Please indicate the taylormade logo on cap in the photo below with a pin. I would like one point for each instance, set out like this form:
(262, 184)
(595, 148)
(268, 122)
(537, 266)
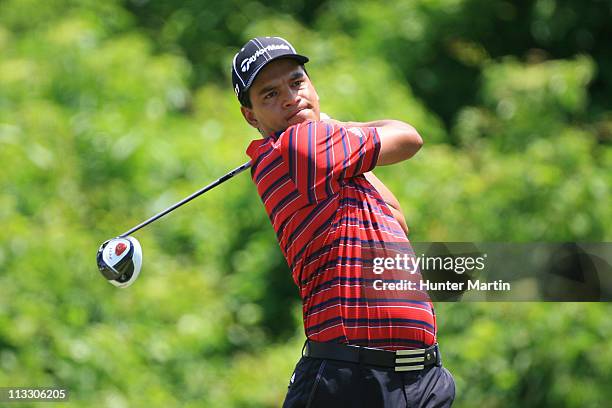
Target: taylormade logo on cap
(253, 57)
(245, 64)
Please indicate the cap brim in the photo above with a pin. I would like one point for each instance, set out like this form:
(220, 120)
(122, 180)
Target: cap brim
(299, 58)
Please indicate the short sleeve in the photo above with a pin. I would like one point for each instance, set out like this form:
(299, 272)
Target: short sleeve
(321, 156)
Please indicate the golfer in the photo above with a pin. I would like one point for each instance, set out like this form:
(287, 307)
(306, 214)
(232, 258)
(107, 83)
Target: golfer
(365, 347)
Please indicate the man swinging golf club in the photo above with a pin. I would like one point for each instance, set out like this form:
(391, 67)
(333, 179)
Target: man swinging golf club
(364, 348)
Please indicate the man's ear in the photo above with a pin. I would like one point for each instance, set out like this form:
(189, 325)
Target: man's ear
(249, 116)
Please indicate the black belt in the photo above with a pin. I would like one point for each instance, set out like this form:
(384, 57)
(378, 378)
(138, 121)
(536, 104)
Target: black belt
(400, 360)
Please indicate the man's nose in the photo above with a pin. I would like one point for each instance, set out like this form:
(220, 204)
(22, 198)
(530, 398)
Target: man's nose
(292, 97)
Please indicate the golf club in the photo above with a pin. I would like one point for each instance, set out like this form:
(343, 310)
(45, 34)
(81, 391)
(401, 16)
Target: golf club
(120, 259)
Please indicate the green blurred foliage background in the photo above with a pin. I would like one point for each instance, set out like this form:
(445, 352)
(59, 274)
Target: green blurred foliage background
(110, 111)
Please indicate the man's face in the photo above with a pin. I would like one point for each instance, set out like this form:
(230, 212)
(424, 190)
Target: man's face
(281, 95)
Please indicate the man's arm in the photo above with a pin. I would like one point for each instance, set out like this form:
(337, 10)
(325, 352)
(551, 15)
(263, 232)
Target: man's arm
(389, 198)
(398, 140)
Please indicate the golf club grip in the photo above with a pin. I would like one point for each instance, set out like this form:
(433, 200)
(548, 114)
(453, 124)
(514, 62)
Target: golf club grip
(187, 199)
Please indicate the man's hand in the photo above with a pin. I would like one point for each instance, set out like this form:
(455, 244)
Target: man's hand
(389, 198)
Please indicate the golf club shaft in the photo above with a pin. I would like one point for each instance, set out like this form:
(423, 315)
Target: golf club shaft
(187, 199)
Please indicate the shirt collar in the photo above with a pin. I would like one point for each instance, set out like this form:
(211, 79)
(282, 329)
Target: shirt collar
(276, 135)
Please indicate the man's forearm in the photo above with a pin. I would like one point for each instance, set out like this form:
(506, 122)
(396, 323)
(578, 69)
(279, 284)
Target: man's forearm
(388, 198)
(399, 216)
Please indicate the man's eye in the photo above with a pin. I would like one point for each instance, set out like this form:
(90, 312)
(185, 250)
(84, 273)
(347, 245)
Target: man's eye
(298, 82)
(270, 95)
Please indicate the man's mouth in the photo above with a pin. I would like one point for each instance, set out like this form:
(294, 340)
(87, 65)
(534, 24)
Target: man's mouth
(294, 114)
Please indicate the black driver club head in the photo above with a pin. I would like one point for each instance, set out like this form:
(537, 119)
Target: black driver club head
(119, 260)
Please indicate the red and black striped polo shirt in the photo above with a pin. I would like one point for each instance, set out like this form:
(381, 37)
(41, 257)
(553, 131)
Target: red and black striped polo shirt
(325, 213)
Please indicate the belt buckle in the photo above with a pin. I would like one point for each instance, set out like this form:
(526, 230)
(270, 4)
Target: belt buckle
(403, 363)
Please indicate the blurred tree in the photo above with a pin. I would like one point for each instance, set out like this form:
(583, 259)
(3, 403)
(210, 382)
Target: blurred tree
(206, 32)
(440, 47)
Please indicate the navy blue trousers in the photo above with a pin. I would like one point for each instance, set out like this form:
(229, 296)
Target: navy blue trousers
(318, 383)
